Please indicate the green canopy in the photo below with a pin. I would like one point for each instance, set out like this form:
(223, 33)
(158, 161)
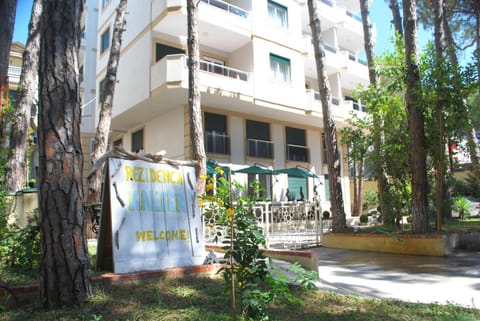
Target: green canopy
(297, 171)
(255, 169)
(211, 165)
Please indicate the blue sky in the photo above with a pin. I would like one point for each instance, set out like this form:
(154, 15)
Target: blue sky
(380, 15)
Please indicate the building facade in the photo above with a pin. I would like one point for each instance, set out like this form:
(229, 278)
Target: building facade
(258, 83)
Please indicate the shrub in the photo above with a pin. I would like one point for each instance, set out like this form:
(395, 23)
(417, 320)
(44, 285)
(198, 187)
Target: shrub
(246, 274)
(364, 218)
(326, 215)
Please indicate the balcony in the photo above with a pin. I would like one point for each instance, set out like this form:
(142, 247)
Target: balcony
(221, 25)
(214, 68)
(172, 69)
(298, 153)
(259, 148)
(227, 7)
(14, 73)
(218, 143)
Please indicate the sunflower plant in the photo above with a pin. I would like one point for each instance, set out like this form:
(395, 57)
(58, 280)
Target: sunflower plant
(248, 273)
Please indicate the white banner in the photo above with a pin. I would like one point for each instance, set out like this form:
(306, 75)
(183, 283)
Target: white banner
(156, 221)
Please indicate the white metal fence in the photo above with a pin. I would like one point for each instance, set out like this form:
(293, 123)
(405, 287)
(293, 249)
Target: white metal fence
(285, 224)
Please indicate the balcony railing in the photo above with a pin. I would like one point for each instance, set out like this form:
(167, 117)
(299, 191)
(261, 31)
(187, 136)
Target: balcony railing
(227, 7)
(334, 100)
(222, 70)
(216, 142)
(328, 3)
(330, 47)
(298, 153)
(358, 106)
(14, 71)
(259, 148)
(354, 16)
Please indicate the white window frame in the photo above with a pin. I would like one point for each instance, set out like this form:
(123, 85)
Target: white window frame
(278, 14)
(280, 68)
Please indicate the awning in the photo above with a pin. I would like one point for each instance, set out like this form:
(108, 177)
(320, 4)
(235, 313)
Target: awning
(297, 171)
(255, 169)
(212, 165)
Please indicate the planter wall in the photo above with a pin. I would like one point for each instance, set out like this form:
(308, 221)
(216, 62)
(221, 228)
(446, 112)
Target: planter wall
(433, 245)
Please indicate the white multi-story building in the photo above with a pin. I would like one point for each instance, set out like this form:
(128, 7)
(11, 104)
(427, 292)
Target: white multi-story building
(259, 88)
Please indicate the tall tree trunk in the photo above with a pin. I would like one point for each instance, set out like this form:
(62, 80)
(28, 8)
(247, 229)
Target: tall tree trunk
(397, 19)
(63, 244)
(382, 180)
(441, 166)
(416, 125)
(471, 137)
(105, 116)
(7, 22)
(195, 111)
(360, 187)
(333, 155)
(27, 93)
(355, 189)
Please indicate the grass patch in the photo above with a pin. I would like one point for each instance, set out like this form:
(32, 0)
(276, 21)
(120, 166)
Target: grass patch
(204, 298)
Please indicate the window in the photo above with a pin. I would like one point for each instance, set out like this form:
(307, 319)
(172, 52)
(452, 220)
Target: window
(118, 142)
(258, 139)
(101, 91)
(137, 141)
(296, 145)
(324, 147)
(280, 68)
(327, 188)
(297, 188)
(105, 41)
(213, 65)
(105, 3)
(264, 181)
(278, 14)
(216, 139)
(164, 50)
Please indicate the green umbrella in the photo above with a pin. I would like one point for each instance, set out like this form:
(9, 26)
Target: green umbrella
(255, 169)
(297, 171)
(212, 165)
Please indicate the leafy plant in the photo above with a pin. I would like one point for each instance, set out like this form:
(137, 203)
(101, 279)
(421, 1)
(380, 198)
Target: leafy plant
(247, 274)
(462, 205)
(364, 218)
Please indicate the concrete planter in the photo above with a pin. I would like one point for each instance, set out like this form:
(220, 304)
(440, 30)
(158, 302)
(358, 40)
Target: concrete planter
(433, 245)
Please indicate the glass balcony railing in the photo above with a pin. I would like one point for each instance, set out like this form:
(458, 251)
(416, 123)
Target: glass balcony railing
(330, 47)
(334, 100)
(354, 16)
(298, 153)
(259, 148)
(14, 71)
(227, 7)
(216, 142)
(222, 70)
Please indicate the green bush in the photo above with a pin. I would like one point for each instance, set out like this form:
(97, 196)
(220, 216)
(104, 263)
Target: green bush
(467, 187)
(364, 218)
(326, 215)
(20, 247)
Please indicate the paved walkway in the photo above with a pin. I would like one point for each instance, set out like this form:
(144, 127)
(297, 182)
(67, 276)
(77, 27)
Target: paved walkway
(426, 279)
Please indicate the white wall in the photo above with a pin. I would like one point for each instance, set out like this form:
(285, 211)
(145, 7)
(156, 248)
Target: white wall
(166, 132)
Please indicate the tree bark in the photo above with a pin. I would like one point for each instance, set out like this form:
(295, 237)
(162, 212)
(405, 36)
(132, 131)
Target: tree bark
(416, 125)
(7, 22)
(441, 166)
(333, 155)
(63, 244)
(397, 19)
(195, 111)
(27, 93)
(105, 115)
(382, 180)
